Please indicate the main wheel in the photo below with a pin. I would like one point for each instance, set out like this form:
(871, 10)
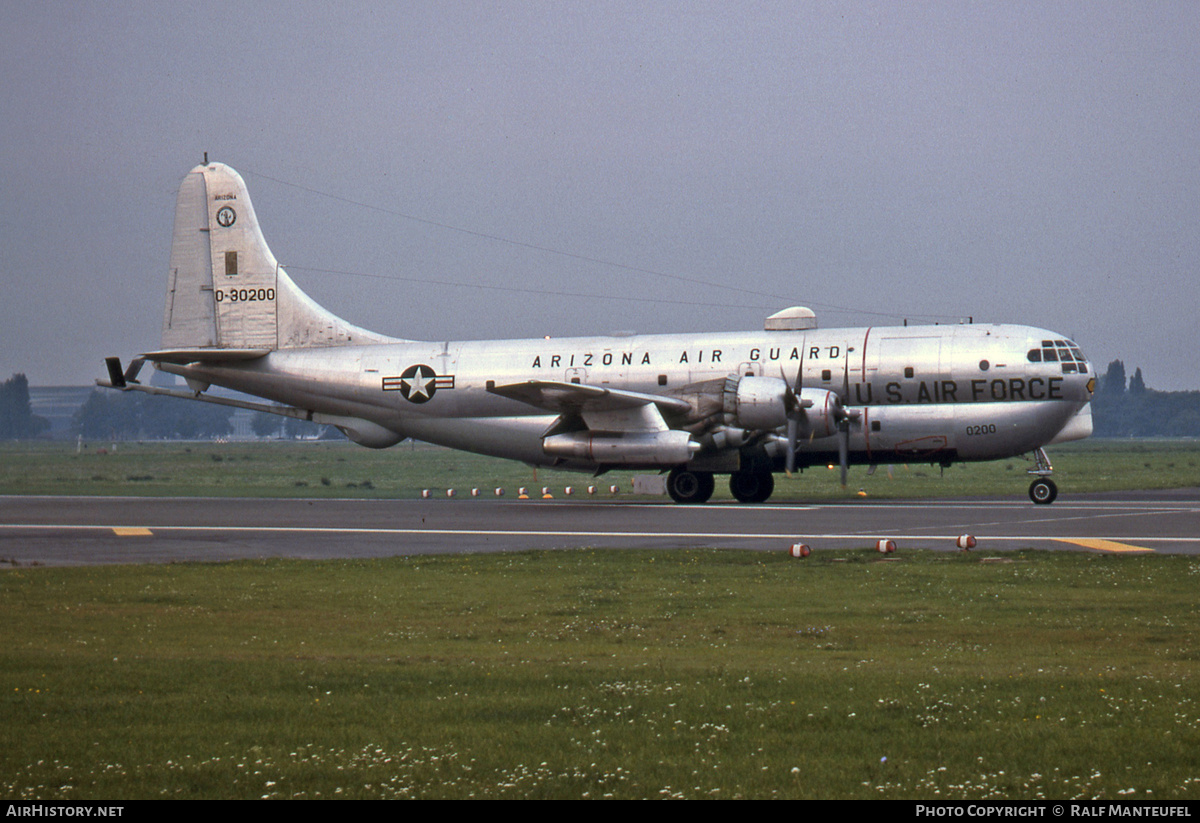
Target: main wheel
(751, 486)
(686, 486)
(1043, 491)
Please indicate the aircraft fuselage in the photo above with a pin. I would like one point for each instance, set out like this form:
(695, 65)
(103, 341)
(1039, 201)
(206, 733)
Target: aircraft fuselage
(927, 393)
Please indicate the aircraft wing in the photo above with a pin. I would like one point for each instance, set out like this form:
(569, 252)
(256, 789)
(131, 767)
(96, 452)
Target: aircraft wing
(601, 408)
(556, 396)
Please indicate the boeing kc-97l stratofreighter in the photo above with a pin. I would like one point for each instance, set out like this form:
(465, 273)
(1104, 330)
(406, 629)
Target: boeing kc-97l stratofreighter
(694, 406)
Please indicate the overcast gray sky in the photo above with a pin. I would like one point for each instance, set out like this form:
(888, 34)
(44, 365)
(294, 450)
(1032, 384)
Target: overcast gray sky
(587, 167)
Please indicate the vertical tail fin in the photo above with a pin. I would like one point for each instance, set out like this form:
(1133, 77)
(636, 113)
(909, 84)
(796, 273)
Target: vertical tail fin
(226, 290)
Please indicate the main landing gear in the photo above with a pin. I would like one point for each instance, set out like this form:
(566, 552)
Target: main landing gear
(686, 486)
(748, 486)
(751, 486)
(1043, 490)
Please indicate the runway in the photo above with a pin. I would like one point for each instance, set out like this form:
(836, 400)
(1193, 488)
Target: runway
(96, 530)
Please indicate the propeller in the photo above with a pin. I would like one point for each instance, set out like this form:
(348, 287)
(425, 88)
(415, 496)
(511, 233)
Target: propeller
(794, 409)
(795, 406)
(793, 426)
(845, 416)
(843, 423)
(844, 448)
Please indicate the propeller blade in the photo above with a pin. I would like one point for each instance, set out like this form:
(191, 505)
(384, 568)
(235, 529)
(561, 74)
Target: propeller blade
(793, 417)
(844, 423)
(793, 426)
(844, 448)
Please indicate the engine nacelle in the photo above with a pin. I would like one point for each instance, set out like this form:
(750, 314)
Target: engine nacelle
(822, 409)
(762, 403)
(765, 404)
(665, 448)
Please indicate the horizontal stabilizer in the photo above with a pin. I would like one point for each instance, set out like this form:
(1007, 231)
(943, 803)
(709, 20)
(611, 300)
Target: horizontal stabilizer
(362, 432)
(185, 356)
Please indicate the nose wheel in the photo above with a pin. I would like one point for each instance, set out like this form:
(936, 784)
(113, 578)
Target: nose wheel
(1043, 490)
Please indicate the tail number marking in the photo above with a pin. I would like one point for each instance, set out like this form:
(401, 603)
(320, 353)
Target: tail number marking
(244, 295)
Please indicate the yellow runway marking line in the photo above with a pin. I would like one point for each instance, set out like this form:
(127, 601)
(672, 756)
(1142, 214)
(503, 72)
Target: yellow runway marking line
(1104, 545)
(132, 531)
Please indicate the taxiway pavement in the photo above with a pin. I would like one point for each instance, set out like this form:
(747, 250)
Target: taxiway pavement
(94, 530)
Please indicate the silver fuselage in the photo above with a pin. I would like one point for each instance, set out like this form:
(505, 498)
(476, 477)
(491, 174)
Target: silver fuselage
(923, 393)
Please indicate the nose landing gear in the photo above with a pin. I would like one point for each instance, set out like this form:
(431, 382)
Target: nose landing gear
(1043, 490)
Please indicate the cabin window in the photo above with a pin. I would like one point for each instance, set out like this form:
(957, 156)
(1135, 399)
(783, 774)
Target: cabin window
(826, 375)
(662, 380)
(875, 426)
(908, 371)
(984, 365)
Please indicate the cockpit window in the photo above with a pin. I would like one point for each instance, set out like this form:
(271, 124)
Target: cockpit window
(1060, 351)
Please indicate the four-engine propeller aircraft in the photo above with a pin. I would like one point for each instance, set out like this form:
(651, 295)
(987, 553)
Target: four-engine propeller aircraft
(695, 406)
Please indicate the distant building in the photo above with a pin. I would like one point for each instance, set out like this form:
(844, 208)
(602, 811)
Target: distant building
(58, 404)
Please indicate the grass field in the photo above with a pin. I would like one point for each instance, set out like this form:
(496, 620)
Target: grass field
(343, 470)
(628, 674)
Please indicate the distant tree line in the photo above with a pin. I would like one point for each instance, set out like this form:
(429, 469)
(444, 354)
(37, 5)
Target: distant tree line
(1129, 409)
(17, 420)
(116, 415)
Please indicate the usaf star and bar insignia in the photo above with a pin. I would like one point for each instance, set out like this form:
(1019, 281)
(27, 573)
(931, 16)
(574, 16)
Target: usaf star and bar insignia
(418, 383)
